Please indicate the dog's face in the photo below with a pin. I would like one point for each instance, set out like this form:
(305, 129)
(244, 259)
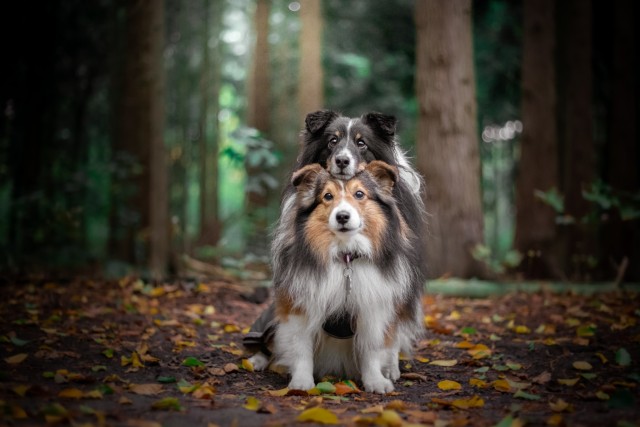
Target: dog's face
(344, 145)
(346, 216)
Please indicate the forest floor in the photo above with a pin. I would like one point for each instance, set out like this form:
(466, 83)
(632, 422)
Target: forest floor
(129, 353)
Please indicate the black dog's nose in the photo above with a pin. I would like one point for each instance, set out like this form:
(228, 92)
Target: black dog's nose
(342, 161)
(342, 217)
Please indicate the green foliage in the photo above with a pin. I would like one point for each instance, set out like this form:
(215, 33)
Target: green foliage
(496, 265)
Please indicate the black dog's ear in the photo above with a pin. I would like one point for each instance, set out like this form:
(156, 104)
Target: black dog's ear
(318, 120)
(381, 122)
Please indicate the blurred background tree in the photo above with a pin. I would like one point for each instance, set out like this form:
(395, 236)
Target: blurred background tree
(142, 136)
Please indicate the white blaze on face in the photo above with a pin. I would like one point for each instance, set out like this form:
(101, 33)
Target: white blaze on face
(344, 217)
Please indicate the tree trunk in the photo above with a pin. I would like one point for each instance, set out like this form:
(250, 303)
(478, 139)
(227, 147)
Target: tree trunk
(209, 131)
(258, 117)
(139, 132)
(535, 221)
(622, 238)
(311, 89)
(447, 140)
(579, 156)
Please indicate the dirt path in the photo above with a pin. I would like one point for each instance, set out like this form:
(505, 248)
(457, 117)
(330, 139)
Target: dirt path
(128, 353)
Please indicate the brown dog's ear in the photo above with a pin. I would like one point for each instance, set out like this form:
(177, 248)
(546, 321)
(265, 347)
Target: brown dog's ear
(308, 181)
(384, 175)
(318, 120)
(381, 122)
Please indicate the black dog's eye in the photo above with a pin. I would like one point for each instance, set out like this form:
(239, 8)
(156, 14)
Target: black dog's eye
(333, 141)
(361, 144)
(359, 195)
(328, 197)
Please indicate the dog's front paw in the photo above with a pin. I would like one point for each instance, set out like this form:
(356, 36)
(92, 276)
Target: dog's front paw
(378, 384)
(259, 361)
(301, 382)
(391, 371)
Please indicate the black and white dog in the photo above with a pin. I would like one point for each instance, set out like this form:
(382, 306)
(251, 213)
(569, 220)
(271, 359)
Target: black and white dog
(344, 146)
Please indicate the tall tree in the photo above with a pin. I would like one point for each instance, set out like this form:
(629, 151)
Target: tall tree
(208, 123)
(311, 88)
(447, 141)
(622, 237)
(139, 132)
(538, 168)
(258, 117)
(576, 115)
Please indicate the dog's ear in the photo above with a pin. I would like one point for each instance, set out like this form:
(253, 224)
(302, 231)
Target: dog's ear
(384, 175)
(308, 181)
(382, 123)
(318, 120)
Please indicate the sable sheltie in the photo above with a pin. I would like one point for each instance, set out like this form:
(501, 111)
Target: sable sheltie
(344, 146)
(351, 259)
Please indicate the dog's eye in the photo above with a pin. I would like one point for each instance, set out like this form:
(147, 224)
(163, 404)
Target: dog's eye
(328, 197)
(333, 141)
(359, 195)
(361, 144)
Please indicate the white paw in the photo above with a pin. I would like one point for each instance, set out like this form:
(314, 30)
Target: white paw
(379, 384)
(391, 371)
(259, 361)
(301, 382)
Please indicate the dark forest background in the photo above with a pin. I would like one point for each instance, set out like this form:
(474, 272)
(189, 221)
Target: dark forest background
(150, 136)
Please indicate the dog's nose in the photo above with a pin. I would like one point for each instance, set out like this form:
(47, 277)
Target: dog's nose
(342, 217)
(342, 161)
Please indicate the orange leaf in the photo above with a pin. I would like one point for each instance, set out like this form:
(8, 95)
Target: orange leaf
(449, 385)
(501, 385)
(343, 388)
(71, 393)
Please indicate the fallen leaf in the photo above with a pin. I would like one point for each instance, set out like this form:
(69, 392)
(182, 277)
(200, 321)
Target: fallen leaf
(524, 395)
(623, 358)
(318, 415)
(555, 420)
(501, 385)
(16, 359)
(521, 329)
(230, 367)
(377, 409)
(71, 393)
(326, 387)
(278, 393)
(192, 362)
(346, 387)
(247, 365)
(479, 351)
(476, 382)
(252, 404)
(146, 389)
(444, 363)
(602, 395)
(21, 390)
(559, 406)
(449, 385)
(602, 358)
(569, 381)
(167, 404)
(389, 418)
(542, 378)
(464, 344)
(582, 365)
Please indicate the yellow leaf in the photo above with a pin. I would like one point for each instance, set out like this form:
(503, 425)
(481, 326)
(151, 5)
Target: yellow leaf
(205, 391)
(93, 394)
(397, 405)
(146, 389)
(501, 385)
(549, 341)
(555, 420)
(278, 393)
(377, 409)
(471, 402)
(582, 365)
(21, 390)
(559, 406)
(444, 363)
(16, 358)
(252, 404)
(475, 382)
(569, 381)
(603, 359)
(449, 385)
(464, 344)
(422, 359)
(71, 393)
(521, 329)
(318, 415)
(247, 365)
(455, 315)
(602, 395)
(479, 351)
(389, 418)
(230, 328)
(17, 413)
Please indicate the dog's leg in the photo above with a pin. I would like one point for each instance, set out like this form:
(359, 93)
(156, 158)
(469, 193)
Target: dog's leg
(372, 351)
(260, 361)
(294, 348)
(391, 369)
